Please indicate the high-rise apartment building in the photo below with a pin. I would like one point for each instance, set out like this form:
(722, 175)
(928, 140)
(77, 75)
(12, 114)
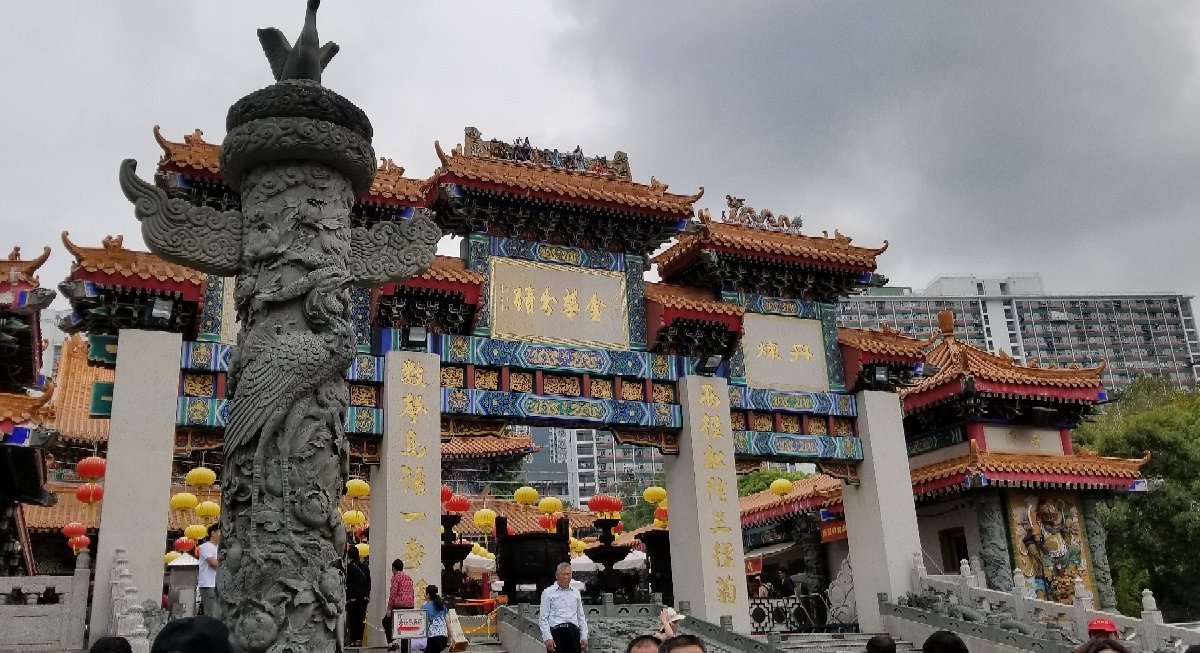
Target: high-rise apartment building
(1136, 334)
(598, 464)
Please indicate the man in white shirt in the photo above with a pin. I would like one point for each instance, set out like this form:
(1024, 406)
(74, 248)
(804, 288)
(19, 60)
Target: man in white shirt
(562, 620)
(207, 580)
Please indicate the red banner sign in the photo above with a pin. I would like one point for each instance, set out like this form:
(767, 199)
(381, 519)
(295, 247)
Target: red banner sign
(753, 566)
(832, 531)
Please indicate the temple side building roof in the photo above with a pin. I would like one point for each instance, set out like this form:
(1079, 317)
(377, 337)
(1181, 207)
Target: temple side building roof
(1085, 470)
(957, 360)
(195, 155)
(764, 242)
(701, 300)
(15, 270)
(530, 177)
(71, 408)
(22, 408)
(112, 258)
(487, 446)
(884, 342)
(452, 269)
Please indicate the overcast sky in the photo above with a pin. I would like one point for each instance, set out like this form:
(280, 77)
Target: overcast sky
(990, 138)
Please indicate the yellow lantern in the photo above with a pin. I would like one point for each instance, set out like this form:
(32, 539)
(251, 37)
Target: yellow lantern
(201, 477)
(654, 494)
(356, 488)
(781, 487)
(354, 518)
(441, 530)
(208, 510)
(526, 495)
(183, 501)
(171, 556)
(485, 518)
(550, 505)
(196, 532)
(364, 550)
(658, 523)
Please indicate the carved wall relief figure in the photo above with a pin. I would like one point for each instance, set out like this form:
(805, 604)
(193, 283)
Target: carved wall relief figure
(993, 541)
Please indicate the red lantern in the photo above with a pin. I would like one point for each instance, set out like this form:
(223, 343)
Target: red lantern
(79, 543)
(660, 514)
(446, 493)
(458, 503)
(73, 530)
(89, 493)
(185, 544)
(511, 531)
(546, 521)
(618, 528)
(91, 468)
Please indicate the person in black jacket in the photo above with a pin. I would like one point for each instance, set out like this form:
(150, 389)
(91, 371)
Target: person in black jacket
(358, 591)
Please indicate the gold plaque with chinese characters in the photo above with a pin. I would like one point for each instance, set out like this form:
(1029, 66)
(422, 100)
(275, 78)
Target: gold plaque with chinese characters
(542, 302)
(784, 353)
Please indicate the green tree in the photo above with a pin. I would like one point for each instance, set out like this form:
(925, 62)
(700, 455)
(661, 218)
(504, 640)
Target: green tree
(637, 513)
(760, 479)
(1153, 536)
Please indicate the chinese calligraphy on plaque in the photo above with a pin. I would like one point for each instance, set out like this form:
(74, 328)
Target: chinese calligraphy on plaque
(785, 353)
(544, 302)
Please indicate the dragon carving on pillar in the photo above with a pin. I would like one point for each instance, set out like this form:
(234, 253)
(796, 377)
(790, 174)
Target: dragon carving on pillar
(299, 155)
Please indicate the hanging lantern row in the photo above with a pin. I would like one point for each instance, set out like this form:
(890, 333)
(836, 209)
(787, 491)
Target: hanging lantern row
(79, 543)
(364, 550)
(171, 556)
(485, 518)
(606, 506)
(90, 493)
(457, 504)
(200, 477)
(74, 529)
(781, 487)
(91, 468)
(661, 514)
(356, 488)
(550, 505)
(196, 532)
(577, 546)
(354, 518)
(654, 495)
(447, 492)
(183, 501)
(525, 496)
(184, 544)
(209, 510)
(549, 522)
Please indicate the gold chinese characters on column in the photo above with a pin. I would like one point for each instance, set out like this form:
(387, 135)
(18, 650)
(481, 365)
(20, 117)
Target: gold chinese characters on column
(716, 488)
(543, 302)
(412, 471)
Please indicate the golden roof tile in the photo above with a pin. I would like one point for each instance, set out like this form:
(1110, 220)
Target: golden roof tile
(487, 446)
(955, 358)
(574, 184)
(14, 270)
(885, 341)
(451, 268)
(689, 298)
(760, 241)
(113, 258)
(1086, 464)
(22, 408)
(70, 411)
(819, 489)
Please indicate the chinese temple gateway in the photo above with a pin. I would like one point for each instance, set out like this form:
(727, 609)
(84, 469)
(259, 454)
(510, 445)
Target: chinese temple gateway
(731, 360)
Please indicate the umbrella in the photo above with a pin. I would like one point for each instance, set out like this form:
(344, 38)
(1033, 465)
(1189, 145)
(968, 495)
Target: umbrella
(635, 560)
(478, 564)
(583, 563)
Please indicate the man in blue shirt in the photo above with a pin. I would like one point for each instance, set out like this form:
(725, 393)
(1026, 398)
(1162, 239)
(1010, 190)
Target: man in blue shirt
(562, 620)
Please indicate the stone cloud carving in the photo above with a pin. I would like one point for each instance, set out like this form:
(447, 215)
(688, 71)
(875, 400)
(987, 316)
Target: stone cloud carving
(299, 154)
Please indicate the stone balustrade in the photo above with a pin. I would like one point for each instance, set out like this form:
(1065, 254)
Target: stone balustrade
(966, 597)
(45, 613)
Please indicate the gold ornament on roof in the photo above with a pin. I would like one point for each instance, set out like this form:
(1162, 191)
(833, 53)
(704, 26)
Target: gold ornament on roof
(748, 216)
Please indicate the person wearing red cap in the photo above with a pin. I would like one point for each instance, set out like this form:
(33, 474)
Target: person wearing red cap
(1102, 629)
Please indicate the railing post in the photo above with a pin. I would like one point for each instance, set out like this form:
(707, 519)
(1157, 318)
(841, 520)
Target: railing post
(1082, 603)
(1020, 610)
(607, 603)
(727, 622)
(966, 580)
(76, 629)
(918, 573)
(656, 598)
(774, 639)
(977, 571)
(1148, 629)
(685, 608)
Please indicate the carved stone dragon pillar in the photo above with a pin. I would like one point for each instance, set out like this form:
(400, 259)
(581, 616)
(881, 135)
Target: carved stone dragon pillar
(299, 155)
(1097, 547)
(993, 541)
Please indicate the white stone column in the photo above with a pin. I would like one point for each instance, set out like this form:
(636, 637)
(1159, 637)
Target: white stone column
(406, 488)
(881, 516)
(707, 560)
(137, 481)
